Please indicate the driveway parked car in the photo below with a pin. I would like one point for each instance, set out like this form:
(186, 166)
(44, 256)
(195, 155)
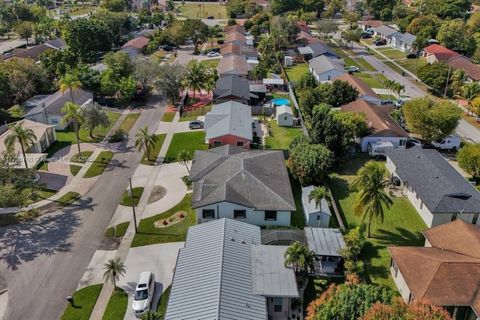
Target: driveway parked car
(352, 69)
(143, 293)
(213, 54)
(380, 42)
(195, 124)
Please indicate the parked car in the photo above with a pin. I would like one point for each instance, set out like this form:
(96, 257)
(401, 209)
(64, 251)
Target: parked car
(210, 17)
(380, 42)
(167, 47)
(366, 35)
(352, 69)
(451, 142)
(142, 298)
(195, 124)
(413, 143)
(213, 54)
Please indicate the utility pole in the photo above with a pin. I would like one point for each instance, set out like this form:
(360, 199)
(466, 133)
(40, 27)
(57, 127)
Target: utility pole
(130, 191)
(446, 84)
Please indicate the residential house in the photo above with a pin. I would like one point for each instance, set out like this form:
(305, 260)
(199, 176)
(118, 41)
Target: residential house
(364, 91)
(238, 49)
(233, 65)
(229, 123)
(258, 92)
(284, 116)
(232, 88)
(33, 53)
(236, 37)
(370, 24)
(325, 69)
(438, 192)
(461, 62)
(445, 272)
(435, 53)
(49, 109)
(234, 28)
(224, 272)
(315, 216)
(251, 186)
(135, 46)
(327, 244)
(384, 32)
(56, 44)
(305, 37)
(403, 41)
(45, 137)
(382, 126)
(316, 49)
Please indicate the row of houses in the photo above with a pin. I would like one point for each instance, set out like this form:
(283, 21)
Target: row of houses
(394, 38)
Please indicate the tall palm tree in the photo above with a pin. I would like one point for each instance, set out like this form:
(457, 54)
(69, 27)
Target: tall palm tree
(144, 141)
(24, 136)
(114, 268)
(196, 77)
(292, 255)
(184, 156)
(317, 194)
(371, 198)
(469, 92)
(459, 77)
(151, 316)
(73, 114)
(71, 83)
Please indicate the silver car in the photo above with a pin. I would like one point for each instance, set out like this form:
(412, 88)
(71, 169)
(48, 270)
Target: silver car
(142, 298)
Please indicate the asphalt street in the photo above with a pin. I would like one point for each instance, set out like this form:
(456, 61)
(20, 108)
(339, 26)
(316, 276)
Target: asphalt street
(43, 261)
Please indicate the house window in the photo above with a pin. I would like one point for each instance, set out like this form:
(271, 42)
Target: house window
(239, 143)
(54, 121)
(403, 142)
(271, 215)
(208, 214)
(239, 214)
(217, 143)
(454, 217)
(285, 118)
(277, 304)
(318, 217)
(394, 266)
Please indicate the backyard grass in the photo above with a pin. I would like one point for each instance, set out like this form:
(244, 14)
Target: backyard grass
(152, 158)
(117, 306)
(149, 234)
(196, 10)
(99, 165)
(68, 198)
(280, 137)
(402, 225)
(373, 81)
(162, 303)
(118, 231)
(189, 141)
(210, 63)
(168, 116)
(74, 169)
(129, 121)
(296, 72)
(136, 195)
(84, 300)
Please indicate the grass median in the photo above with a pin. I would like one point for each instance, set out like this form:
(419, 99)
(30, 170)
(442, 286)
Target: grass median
(151, 159)
(84, 301)
(99, 165)
(117, 306)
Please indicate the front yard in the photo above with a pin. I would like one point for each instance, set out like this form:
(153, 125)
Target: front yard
(189, 141)
(117, 306)
(84, 301)
(201, 10)
(402, 225)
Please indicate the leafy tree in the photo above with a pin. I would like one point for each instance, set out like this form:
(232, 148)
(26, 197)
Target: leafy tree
(473, 23)
(146, 71)
(327, 27)
(72, 113)
(127, 87)
(337, 93)
(354, 242)
(377, 7)
(283, 31)
(145, 141)
(196, 77)
(299, 257)
(118, 23)
(69, 82)
(309, 163)
(170, 81)
(114, 268)
(24, 29)
(371, 199)
(432, 120)
(184, 156)
(306, 82)
(108, 83)
(352, 36)
(120, 63)
(434, 75)
(468, 158)
(196, 30)
(25, 137)
(58, 62)
(114, 5)
(351, 17)
(398, 309)
(469, 92)
(458, 79)
(453, 36)
(328, 129)
(423, 22)
(94, 116)
(354, 125)
(446, 8)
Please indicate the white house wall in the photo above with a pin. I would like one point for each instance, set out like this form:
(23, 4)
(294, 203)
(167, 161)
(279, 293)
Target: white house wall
(401, 284)
(285, 120)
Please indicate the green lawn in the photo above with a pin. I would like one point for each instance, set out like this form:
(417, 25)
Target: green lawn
(393, 66)
(149, 234)
(281, 137)
(372, 80)
(210, 63)
(364, 64)
(154, 151)
(68, 198)
(193, 114)
(129, 121)
(117, 306)
(412, 64)
(196, 10)
(350, 62)
(168, 116)
(189, 141)
(402, 225)
(118, 231)
(81, 157)
(74, 169)
(162, 303)
(392, 53)
(99, 165)
(84, 300)
(296, 72)
(136, 194)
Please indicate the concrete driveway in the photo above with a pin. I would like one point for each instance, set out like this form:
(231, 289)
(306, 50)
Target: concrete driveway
(159, 259)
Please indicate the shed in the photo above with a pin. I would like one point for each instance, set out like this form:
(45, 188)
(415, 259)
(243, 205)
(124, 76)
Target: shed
(284, 116)
(315, 216)
(327, 243)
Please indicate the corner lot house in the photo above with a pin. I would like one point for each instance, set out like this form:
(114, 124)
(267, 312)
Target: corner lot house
(251, 186)
(229, 123)
(383, 129)
(224, 272)
(327, 243)
(446, 272)
(437, 191)
(284, 116)
(315, 216)
(232, 88)
(325, 69)
(49, 109)
(364, 91)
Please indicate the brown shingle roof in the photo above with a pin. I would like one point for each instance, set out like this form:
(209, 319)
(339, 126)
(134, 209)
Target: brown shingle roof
(233, 64)
(440, 52)
(358, 84)
(371, 23)
(237, 48)
(32, 52)
(378, 118)
(139, 43)
(234, 28)
(235, 36)
(461, 62)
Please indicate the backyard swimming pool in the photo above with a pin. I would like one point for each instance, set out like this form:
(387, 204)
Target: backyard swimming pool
(280, 102)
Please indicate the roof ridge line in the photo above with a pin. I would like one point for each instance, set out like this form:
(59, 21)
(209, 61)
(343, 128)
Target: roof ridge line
(221, 269)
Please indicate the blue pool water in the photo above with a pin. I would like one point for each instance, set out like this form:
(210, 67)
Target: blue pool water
(281, 102)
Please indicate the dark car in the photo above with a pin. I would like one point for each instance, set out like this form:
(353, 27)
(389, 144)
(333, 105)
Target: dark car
(104, 102)
(167, 47)
(380, 42)
(366, 35)
(210, 17)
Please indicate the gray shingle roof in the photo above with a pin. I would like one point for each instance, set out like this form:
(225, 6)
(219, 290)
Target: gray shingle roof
(319, 49)
(309, 206)
(55, 102)
(385, 30)
(232, 86)
(325, 241)
(437, 183)
(270, 277)
(212, 278)
(233, 64)
(231, 118)
(256, 179)
(324, 64)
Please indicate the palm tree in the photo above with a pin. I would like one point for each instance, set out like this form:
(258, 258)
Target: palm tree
(151, 316)
(71, 83)
(184, 156)
(459, 77)
(144, 141)
(398, 88)
(196, 77)
(469, 92)
(73, 114)
(24, 136)
(292, 255)
(371, 198)
(114, 268)
(317, 194)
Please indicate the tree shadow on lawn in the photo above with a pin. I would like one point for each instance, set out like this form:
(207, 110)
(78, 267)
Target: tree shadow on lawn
(349, 165)
(399, 237)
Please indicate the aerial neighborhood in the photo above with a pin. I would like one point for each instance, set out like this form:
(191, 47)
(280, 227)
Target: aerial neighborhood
(240, 160)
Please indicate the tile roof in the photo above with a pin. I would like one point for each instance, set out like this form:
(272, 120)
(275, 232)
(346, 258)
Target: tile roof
(138, 42)
(325, 241)
(462, 62)
(362, 88)
(322, 64)
(233, 64)
(378, 118)
(440, 52)
(442, 188)
(256, 179)
(229, 118)
(232, 85)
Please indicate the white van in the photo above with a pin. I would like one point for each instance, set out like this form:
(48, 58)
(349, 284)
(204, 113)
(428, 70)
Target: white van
(451, 142)
(142, 298)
